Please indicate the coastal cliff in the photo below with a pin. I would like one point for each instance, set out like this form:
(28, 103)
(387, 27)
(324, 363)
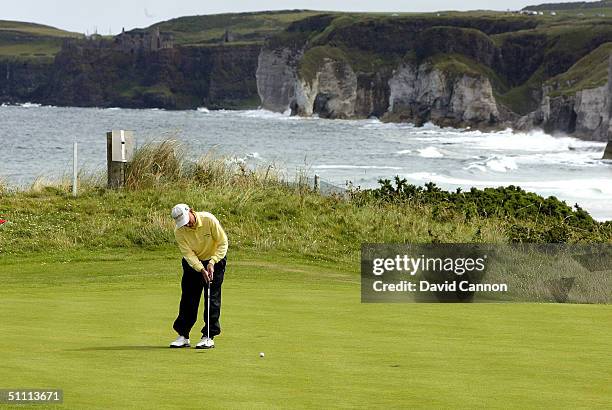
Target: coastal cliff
(488, 74)
(483, 70)
(346, 68)
(20, 80)
(584, 114)
(174, 78)
(276, 77)
(411, 93)
(424, 93)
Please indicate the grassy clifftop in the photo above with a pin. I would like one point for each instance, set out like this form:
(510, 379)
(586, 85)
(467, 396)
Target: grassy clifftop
(590, 71)
(243, 27)
(30, 41)
(21, 40)
(583, 8)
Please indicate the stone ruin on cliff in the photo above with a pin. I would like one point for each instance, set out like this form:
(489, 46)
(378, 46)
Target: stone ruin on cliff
(134, 41)
(143, 40)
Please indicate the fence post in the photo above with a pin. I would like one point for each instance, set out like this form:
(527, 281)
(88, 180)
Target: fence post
(119, 151)
(608, 150)
(317, 185)
(75, 169)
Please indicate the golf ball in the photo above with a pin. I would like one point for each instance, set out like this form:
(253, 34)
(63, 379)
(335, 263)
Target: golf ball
(261, 354)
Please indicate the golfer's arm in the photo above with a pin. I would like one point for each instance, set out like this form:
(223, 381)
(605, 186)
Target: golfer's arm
(219, 236)
(189, 255)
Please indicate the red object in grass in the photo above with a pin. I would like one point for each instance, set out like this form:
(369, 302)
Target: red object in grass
(2, 221)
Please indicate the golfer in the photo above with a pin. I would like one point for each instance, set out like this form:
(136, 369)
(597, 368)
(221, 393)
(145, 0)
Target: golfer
(203, 243)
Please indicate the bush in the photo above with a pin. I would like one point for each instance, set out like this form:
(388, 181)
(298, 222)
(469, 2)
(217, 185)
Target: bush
(530, 217)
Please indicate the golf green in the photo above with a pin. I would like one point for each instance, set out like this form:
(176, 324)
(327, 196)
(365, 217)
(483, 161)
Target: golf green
(99, 327)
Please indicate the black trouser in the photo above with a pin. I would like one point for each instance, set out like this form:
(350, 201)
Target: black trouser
(192, 286)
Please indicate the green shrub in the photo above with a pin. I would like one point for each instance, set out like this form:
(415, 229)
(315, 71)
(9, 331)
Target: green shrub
(529, 217)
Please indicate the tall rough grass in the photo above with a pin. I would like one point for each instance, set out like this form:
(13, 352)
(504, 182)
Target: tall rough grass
(259, 209)
(3, 186)
(155, 164)
(86, 181)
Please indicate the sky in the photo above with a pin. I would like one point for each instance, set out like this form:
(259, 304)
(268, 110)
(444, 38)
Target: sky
(110, 16)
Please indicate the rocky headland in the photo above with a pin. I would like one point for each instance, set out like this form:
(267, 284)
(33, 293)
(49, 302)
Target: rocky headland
(487, 71)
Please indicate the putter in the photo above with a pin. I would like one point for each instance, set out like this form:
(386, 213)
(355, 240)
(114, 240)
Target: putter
(207, 317)
(208, 311)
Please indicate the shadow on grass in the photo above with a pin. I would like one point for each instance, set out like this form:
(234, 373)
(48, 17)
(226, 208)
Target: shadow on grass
(102, 348)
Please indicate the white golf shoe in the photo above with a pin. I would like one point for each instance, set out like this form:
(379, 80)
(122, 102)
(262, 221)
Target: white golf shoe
(180, 342)
(205, 343)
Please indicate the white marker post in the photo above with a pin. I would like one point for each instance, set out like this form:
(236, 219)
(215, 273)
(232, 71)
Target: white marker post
(75, 170)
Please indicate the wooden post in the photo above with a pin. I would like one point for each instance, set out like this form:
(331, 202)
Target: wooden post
(317, 185)
(118, 156)
(608, 151)
(75, 170)
(115, 170)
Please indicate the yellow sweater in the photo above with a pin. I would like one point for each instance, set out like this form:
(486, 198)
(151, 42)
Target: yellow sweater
(205, 240)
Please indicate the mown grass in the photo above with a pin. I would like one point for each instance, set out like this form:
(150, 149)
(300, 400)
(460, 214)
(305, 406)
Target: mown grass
(97, 325)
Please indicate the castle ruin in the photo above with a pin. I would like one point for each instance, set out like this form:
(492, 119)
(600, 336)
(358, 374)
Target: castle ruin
(143, 40)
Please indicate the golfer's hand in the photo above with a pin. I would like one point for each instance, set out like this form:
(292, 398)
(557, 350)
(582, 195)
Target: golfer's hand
(204, 273)
(211, 270)
(207, 273)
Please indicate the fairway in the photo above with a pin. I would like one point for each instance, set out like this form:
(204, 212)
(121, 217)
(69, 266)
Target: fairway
(98, 327)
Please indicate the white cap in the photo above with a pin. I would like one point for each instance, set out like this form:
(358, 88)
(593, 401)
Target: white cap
(180, 214)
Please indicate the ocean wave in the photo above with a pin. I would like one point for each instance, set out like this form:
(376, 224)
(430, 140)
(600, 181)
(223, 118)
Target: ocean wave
(508, 140)
(494, 163)
(347, 166)
(594, 188)
(579, 159)
(203, 110)
(265, 114)
(430, 152)
(30, 105)
(476, 165)
(376, 124)
(502, 164)
(535, 141)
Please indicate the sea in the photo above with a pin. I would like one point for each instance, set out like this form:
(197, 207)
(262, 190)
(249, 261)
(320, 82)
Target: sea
(37, 142)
